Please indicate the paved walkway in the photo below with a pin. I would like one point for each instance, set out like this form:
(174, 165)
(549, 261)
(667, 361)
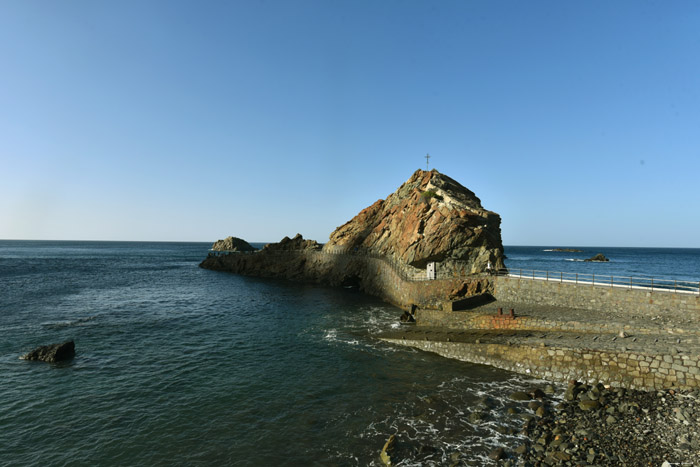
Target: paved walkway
(651, 335)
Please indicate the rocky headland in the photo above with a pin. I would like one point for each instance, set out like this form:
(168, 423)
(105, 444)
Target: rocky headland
(430, 218)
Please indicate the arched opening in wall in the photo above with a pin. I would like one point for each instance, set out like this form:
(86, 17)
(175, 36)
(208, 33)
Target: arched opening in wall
(351, 282)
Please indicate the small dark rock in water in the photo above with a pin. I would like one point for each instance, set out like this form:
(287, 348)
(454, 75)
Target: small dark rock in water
(520, 396)
(52, 353)
(598, 258)
(407, 317)
(497, 454)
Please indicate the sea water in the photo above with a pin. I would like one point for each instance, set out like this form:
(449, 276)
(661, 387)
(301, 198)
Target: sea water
(177, 365)
(638, 265)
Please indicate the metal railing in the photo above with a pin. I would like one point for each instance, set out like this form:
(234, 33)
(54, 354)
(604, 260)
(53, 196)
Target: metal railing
(603, 280)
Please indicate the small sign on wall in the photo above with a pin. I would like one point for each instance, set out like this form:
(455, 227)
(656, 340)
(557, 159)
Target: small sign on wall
(431, 271)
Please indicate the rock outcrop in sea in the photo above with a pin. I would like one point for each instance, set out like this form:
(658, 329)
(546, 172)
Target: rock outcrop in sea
(232, 244)
(429, 218)
(52, 353)
(599, 258)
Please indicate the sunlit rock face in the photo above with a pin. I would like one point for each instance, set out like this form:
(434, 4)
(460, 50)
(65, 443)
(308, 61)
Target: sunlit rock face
(431, 217)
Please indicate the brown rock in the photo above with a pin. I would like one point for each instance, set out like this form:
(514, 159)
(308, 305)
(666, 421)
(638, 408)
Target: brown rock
(296, 243)
(232, 244)
(431, 217)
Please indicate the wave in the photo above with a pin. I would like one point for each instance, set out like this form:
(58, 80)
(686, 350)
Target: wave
(66, 324)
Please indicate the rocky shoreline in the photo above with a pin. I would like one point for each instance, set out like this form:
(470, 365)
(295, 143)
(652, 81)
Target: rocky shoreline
(599, 425)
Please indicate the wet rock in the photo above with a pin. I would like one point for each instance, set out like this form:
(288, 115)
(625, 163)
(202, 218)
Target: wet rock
(534, 405)
(520, 396)
(621, 427)
(497, 454)
(387, 451)
(52, 353)
(588, 404)
(599, 258)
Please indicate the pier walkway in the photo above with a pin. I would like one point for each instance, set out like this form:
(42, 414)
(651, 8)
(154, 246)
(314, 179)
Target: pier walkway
(644, 352)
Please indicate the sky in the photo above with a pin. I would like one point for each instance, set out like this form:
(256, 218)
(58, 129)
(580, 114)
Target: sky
(577, 122)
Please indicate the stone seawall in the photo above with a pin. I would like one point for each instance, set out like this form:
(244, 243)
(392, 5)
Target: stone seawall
(565, 331)
(598, 297)
(618, 368)
(393, 282)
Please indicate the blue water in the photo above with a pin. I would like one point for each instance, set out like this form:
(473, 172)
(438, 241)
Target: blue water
(177, 365)
(667, 264)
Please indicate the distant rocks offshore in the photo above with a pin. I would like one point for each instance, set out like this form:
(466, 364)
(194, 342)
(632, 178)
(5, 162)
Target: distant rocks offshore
(52, 353)
(599, 258)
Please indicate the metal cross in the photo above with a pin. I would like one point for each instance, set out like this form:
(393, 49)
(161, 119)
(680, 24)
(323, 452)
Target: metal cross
(427, 161)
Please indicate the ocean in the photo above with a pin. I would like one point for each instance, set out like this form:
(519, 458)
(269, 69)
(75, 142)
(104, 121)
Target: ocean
(176, 365)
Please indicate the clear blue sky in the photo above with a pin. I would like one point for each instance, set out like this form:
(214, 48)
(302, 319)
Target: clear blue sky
(578, 122)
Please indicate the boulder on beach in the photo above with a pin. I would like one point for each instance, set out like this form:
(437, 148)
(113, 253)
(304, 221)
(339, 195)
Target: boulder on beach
(599, 258)
(52, 353)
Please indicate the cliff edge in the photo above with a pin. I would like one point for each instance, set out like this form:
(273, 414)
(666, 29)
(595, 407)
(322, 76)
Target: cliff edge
(431, 217)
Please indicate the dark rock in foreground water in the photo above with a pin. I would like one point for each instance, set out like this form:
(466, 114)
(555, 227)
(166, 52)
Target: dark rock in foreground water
(52, 353)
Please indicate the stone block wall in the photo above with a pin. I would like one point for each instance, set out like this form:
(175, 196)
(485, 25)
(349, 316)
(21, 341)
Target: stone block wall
(589, 297)
(625, 369)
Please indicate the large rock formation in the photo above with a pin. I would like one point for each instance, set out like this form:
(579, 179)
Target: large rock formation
(232, 244)
(292, 244)
(429, 218)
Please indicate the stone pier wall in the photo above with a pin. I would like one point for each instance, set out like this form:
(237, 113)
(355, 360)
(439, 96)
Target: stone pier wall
(393, 282)
(624, 369)
(404, 286)
(598, 297)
